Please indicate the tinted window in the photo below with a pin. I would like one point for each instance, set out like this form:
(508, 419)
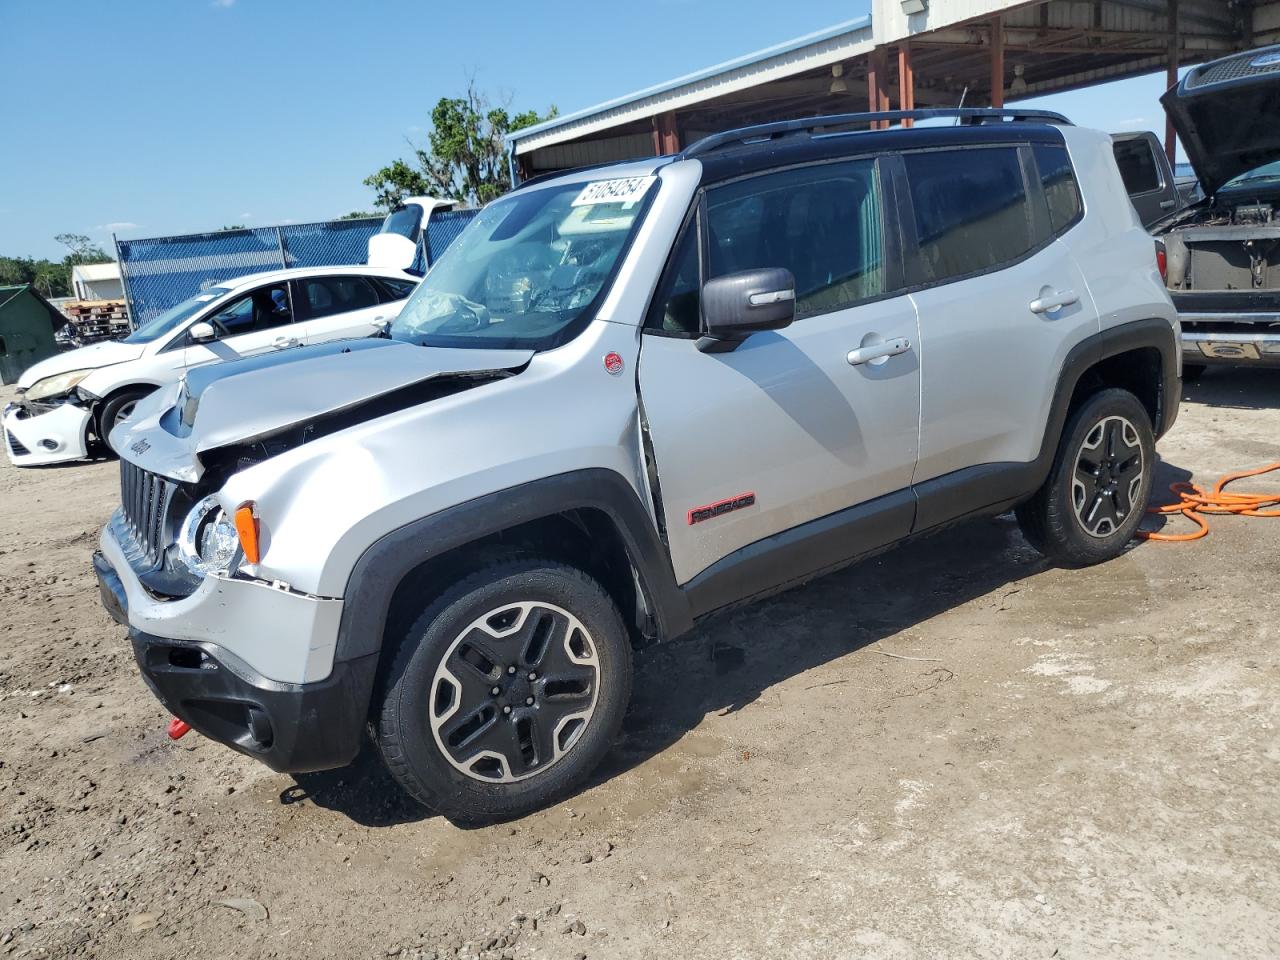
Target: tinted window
(404, 221)
(261, 310)
(822, 223)
(676, 308)
(1137, 165)
(1059, 183)
(971, 209)
(397, 289)
(329, 295)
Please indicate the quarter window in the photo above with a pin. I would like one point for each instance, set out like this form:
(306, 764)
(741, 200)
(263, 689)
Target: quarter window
(971, 209)
(1059, 184)
(677, 308)
(823, 223)
(397, 289)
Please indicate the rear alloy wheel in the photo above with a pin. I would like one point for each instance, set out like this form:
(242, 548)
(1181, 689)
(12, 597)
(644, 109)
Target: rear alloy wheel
(1098, 487)
(506, 691)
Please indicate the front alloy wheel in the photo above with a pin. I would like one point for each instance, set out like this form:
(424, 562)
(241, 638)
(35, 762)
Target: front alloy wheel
(514, 691)
(506, 690)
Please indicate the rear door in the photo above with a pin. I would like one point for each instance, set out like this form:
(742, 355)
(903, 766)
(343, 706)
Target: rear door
(1148, 178)
(334, 307)
(783, 430)
(1000, 300)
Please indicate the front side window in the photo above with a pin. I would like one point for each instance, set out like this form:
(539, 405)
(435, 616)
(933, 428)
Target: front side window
(397, 289)
(823, 223)
(1137, 165)
(1058, 181)
(528, 271)
(263, 309)
(326, 296)
(677, 308)
(971, 209)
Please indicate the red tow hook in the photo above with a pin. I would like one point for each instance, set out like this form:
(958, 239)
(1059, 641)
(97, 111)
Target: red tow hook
(178, 729)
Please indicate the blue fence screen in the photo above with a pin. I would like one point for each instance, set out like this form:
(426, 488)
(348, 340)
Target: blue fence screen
(162, 272)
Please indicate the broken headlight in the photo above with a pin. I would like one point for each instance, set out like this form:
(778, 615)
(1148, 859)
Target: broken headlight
(207, 541)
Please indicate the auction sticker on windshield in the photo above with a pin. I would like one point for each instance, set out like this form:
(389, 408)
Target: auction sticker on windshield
(625, 191)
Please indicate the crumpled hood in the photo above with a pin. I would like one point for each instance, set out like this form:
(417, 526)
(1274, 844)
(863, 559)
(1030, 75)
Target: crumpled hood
(242, 400)
(84, 358)
(1227, 114)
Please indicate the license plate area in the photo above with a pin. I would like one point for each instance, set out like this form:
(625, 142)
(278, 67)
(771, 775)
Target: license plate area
(1229, 349)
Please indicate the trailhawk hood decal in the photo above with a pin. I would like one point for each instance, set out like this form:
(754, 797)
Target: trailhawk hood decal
(242, 400)
(85, 358)
(1226, 115)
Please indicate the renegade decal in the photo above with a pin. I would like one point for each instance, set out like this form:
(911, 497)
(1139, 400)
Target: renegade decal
(711, 510)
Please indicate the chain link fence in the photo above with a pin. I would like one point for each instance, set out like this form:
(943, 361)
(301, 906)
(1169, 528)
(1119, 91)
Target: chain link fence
(161, 272)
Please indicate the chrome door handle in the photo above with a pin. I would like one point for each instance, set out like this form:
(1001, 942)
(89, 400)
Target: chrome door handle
(877, 351)
(283, 342)
(1168, 204)
(1055, 300)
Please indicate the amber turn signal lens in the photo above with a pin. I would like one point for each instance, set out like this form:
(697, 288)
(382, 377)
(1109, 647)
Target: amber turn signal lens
(247, 529)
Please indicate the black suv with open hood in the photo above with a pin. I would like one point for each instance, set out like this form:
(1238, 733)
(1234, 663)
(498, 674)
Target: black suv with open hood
(1223, 252)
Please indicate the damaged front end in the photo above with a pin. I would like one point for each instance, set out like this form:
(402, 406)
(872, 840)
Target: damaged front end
(1223, 253)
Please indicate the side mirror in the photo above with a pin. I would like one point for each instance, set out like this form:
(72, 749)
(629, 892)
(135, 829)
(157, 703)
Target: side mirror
(202, 332)
(740, 304)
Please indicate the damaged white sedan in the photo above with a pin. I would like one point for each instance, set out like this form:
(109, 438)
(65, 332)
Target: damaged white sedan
(69, 403)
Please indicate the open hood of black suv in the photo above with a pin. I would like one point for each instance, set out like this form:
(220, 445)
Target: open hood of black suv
(1227, 114)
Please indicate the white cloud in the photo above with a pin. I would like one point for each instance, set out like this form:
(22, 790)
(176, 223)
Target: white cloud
(245, 216)
(223, 4)
(118, 225)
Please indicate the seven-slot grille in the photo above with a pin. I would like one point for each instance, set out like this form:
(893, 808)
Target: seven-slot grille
(145, 499)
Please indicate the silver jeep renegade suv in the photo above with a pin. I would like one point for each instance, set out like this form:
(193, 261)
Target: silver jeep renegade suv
(626, 398)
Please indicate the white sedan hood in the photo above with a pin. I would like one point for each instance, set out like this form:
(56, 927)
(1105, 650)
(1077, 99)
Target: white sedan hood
(85, 358)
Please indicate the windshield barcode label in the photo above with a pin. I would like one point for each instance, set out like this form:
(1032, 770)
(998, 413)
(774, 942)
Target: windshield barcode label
(625, 191)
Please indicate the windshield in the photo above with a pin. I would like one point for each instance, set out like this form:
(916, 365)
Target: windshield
(528, 269)
(158, 326)
(1268, 171)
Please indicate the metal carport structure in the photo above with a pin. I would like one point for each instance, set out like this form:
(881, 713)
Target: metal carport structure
(908, 53)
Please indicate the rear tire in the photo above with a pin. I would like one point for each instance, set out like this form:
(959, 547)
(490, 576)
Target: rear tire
(115, 411)
(506, 691)
(1098, 487)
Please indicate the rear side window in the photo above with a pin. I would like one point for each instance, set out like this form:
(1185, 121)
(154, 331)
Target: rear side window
(1059, 183)
(822, 223)
(329, 295)
(1137, 165)
(971, 209)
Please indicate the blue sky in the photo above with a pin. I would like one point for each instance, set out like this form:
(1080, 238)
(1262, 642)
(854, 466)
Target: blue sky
(152, 117)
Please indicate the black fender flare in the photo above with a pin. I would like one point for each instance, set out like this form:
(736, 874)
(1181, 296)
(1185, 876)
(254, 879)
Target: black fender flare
(381, 568)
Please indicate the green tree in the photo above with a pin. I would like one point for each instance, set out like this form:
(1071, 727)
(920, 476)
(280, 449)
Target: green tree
(465, 157)
(358, 215)
(83, 250)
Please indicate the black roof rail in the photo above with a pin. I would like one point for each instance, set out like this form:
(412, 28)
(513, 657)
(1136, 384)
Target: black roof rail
(969, 116)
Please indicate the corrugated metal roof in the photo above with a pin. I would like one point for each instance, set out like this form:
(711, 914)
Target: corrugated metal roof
(784, 59)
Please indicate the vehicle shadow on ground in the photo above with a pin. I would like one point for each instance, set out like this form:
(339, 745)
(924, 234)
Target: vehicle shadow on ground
(733, 658)
(1236, 388)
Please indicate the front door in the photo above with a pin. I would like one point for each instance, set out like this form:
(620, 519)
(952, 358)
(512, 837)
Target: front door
(783, 430)
(254, 323)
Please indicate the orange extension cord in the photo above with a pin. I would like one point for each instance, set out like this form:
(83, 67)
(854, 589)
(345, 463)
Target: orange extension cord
(1193, 503)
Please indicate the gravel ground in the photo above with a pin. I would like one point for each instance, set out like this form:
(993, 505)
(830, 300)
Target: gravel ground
(950, 751)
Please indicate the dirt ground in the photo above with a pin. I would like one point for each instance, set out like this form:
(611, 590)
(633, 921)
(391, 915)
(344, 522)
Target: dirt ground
(950, 751)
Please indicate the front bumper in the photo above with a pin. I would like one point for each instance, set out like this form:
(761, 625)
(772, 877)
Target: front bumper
(291, 727)
(34, 437)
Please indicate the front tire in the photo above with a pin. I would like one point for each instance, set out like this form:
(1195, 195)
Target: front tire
(1098, 487)
(506, 691)
(115, 411)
